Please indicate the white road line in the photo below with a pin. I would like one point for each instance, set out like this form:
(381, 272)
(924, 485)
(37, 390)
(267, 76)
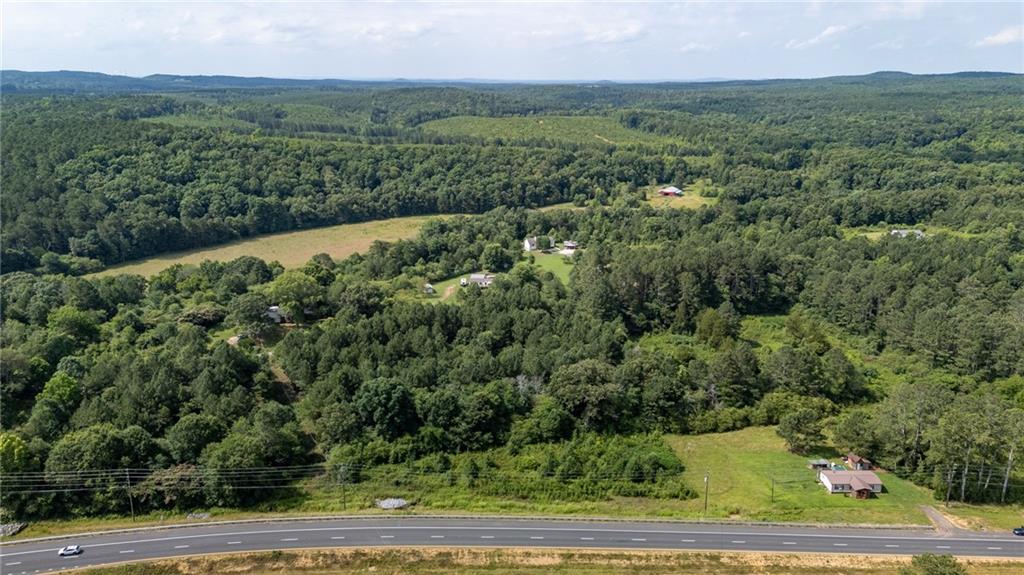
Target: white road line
(536, 538)
(234, 542)
(531, 528)
(387, 536)
(127, 551)
(839, 544)
(586, 538)
(437, 536)
(487, 537)
(892, 545)
(638, 539)
(290, 539)
(739, 541)
(789, 542)
(995, 548)
(19, 562)
(687, 540)
(942, 546)
(181, 546)
(337, 537)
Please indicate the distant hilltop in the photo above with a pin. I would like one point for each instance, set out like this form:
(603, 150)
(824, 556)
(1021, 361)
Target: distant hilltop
(69, 81)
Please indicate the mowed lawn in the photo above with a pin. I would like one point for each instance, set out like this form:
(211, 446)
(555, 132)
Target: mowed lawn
(741, 465)
(554, 263)
(576, 129)
(292, 249)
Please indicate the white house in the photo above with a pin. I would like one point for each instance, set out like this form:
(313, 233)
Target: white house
(860, 484)
(482, 280)
(531, 244)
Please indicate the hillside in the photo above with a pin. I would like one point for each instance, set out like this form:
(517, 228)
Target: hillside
(767, 314)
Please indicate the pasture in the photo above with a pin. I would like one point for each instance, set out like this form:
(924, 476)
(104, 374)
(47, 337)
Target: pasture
(291, 249)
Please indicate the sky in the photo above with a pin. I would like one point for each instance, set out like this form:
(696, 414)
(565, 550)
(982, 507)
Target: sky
(512, 40)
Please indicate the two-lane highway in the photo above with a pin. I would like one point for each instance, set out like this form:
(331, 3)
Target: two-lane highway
(41, 556)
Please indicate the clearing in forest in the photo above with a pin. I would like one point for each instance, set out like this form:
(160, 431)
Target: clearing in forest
(693, 196)
(291, 249)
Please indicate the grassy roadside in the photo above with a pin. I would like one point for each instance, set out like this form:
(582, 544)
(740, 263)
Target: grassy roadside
(742, 464)
(476, 561)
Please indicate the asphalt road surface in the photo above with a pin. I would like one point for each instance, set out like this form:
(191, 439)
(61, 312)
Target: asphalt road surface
(41, 557)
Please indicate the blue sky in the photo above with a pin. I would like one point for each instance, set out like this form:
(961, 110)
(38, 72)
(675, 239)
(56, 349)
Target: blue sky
(514, 40)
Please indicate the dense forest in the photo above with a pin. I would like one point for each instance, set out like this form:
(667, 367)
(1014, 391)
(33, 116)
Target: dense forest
(116, 380)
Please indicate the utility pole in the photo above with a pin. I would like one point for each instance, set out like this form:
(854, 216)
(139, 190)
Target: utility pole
(128, 489)
(707, 476)
(949, 483)
(341, 477)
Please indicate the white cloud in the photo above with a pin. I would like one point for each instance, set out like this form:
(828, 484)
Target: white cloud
(694, 47)
(825, 34)
(1011, 35)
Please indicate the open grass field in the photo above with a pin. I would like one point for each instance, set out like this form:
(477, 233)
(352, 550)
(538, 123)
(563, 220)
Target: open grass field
(449, 288)
(554, 263)
(292, 249)
(445, 290)
(690, 200)
(741, 465)
(575, 129)
(498, 561)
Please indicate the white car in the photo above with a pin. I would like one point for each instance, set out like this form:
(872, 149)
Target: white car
(70, 550)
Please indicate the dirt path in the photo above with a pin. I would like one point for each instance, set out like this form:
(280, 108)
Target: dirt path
(448, 292)
(943, 525)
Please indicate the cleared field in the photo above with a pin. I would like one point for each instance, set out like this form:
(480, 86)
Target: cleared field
(292, 249)
(577, 129)
(554, 263)
(742, 464)
(690, 200)
(479, 561)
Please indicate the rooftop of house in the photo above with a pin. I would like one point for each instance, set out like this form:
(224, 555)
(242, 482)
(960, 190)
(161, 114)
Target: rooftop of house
(849, 477)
